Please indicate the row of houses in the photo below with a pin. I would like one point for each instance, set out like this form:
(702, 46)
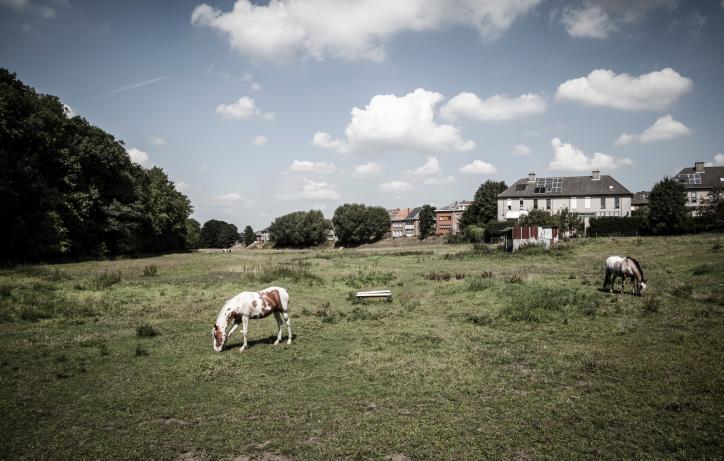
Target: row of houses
(594, 195)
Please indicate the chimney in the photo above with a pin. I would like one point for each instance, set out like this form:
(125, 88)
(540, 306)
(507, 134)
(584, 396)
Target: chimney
(698, 167)
(531, 177)
(595, 175)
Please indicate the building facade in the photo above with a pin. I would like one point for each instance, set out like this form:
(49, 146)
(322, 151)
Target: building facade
(447, 218)
(404, 222)
(699, 182)
(591, 196)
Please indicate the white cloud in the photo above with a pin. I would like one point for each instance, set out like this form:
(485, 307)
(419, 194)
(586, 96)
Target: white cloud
(255, 86)
(478, 167)
(599, 18)
(68, 111)
(349, 30)
(242, 109)
(718, 158)
(182, 186)
(521, 149)
(392, 122)
(497, 107)
(589, 21)
(395, 187)
(571, 158)
(368, 168)
(310, 190)
(43, 11)
(259, 140)
(158, 141)
(430, 168)
(439, 180)
(304, 166)
(139, 156)
(663, 129)
(231, 197)
(603, 88)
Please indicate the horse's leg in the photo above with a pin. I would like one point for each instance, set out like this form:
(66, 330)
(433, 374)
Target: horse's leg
(233, 329)
(278, 318)
(623, 279)
(289, 326)
(612, 281)
(244, 330)
(606, 279)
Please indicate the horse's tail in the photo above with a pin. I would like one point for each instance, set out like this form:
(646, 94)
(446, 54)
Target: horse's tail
(638, 267)
(284, 298)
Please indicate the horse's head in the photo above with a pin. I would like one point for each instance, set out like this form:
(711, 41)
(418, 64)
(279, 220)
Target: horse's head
(641, 286)
(219, 336)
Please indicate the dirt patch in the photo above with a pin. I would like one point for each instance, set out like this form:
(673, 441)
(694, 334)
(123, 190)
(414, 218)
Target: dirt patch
(266, 456)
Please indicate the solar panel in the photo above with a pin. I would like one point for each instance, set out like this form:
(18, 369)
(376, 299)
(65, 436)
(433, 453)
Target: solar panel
(543, 185)
(690, 178)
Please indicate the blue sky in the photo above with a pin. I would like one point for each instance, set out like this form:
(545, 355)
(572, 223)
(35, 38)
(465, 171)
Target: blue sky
(259, 110)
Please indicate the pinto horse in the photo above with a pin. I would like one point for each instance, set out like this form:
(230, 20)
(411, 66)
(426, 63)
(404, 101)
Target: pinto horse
(252, 305)
(617, 266)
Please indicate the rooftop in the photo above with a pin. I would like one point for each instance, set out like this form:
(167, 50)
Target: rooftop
(565, 186)
(455, 206)
(701, 177)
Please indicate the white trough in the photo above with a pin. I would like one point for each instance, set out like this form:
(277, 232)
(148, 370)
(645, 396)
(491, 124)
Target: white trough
(374, 294)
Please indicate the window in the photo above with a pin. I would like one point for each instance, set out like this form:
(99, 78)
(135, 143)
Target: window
(587, 203)
(574, 203)
(603, 203)
(692, 196)
(521, 204)
(694, 178)
(616, 203)
(535, 203)
(509, 203)
(548, 204)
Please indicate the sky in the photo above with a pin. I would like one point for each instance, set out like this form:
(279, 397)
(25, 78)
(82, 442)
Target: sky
(258, 109)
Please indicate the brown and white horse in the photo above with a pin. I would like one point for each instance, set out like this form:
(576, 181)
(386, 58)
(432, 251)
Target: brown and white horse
(616, 266)
(252, 305)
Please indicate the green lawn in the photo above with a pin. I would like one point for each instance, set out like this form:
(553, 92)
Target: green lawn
(514, 357)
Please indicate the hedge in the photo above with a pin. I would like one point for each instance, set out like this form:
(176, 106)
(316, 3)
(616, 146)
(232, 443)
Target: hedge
(609, 225)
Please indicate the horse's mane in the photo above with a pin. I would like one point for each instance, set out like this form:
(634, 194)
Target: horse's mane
(638, 266)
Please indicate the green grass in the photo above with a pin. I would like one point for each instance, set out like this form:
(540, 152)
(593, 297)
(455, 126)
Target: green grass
(480, 355)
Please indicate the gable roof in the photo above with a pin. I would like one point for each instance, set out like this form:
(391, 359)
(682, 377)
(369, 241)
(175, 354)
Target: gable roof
(712, 176)
(640, 198)
(570, 186)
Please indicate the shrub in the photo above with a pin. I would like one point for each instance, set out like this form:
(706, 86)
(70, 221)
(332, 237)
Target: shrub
(609, 225)
(146, 331)
(150, 270)
(106, 279)
(532, 248)
(366, 279)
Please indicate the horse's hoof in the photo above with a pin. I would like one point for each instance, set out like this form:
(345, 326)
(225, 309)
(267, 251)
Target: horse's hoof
(289, 342)
(275, 342)
(242, 349)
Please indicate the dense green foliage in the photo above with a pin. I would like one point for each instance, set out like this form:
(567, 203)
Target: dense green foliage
(70, 189)
(355, 223)
(667, 207)
(485, 205)
(609, 225)
(218, 234)
(299, 229)
(248, 237)
(193, 234)
(427, 221)
(711, 211)
(538, 217)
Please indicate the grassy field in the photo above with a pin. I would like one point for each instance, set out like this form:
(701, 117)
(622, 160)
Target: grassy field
(481, 355)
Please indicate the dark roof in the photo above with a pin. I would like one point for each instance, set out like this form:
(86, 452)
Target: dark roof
(571, 186)
(711, 177)
(415, 213)
(640, 198)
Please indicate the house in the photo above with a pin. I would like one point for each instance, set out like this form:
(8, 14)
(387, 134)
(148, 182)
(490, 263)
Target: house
(588, 196)
(699, 182)
(640, 200)
(263, 236)
(515, 237)
(447, 218)
(405, 222)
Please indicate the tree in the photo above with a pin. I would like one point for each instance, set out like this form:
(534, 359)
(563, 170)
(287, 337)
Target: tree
(299, 229)
(193, 234)
(167, 210)
(711, 210)
(568, 223)
(538, 217)
(427, 221)
(355, 223)
(248, 236)
(218, 234)
(667, 207)
(474, 234)
(485, 204)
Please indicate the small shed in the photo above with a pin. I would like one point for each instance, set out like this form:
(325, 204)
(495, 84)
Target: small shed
(514, 237)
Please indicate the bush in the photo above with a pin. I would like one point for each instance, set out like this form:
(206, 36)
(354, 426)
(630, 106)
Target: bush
(605, 226)
(355, 223)
(146, 331)
(106, 279)
(150, 270)
(299, 229)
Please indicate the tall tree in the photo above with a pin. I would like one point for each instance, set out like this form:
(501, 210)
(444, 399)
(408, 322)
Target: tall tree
(248, 237)
(193, 234)
(485, 204)
(711, 210)
(667, 207)
(427, 221)
(299, 229)
(355, 223)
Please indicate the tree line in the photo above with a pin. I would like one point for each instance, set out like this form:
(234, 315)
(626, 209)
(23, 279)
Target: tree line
(69, 189)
